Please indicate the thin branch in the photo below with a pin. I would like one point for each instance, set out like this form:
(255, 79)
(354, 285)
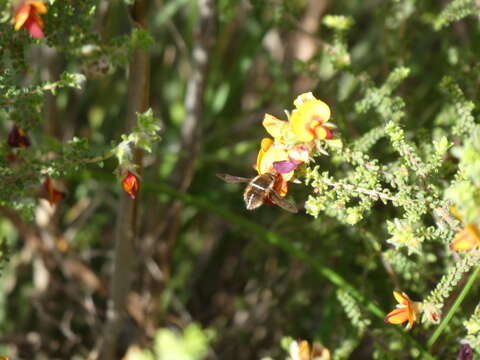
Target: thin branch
(126, 227)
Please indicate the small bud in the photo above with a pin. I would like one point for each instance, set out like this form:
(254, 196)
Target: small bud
(131, 184)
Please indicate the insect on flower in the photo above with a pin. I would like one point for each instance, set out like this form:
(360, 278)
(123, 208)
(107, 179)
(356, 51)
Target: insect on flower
(260, 190)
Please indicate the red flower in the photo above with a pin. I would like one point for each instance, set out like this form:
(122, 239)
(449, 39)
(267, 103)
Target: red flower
(27, 17)
(18, 138)
(52, 195)
(131, 184)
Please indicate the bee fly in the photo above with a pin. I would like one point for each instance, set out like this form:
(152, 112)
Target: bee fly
(259, 190)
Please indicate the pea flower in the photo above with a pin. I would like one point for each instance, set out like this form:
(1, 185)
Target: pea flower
(18, 138)
(407, 310)
(27, 17)
(309, 120)
(301, 350)
(466, 239)
(131, 184)
(51, 193)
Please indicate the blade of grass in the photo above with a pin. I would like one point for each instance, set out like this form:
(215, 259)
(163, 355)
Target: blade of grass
(466, 289)
(275, 239)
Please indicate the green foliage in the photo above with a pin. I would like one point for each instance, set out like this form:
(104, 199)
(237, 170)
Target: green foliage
(401, 79)
(353, 311)
(191, 344)
(454, 11)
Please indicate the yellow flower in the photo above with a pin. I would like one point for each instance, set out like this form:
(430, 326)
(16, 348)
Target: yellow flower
(406, 310)
(466, 239)
(310, 119)
(301, 350)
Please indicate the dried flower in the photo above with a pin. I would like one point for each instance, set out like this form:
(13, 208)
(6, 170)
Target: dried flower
(131, 184)
(406, 310)
(466, 352)
(51, 193)
(18, 138)
(466, 239)
(27, 17)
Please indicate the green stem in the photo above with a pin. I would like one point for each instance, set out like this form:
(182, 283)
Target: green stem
(283, 243)
(466, 289)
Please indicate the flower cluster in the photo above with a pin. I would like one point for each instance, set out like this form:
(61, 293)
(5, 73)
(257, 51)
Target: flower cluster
(293, 140)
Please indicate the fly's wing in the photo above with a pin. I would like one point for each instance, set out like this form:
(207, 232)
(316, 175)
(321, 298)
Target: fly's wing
(233, 179)
(284, 204)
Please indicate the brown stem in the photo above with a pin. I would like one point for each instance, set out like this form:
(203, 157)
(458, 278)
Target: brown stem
(126, 227)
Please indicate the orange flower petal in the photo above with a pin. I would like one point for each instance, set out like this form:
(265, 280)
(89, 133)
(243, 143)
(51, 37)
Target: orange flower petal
(281, 186)
(39, 6)
(466, 239)
(22, 15)
(266, 143)
(397, 316)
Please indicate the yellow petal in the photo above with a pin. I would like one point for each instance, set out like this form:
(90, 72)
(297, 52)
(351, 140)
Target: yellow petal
(265, 144)
(315, 110)
(39, 6)
(274, 126)
(21, 16)
(321, 133)
(304, 350)
(466, 239)
(455, 213)
(300, 127)
(401, 297)
(270, 156)
(302, 98)
(397, 316)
